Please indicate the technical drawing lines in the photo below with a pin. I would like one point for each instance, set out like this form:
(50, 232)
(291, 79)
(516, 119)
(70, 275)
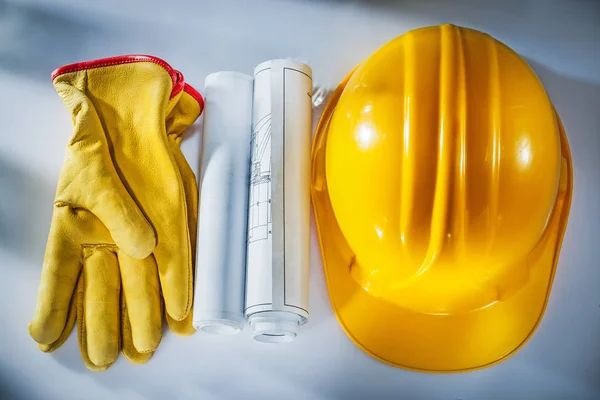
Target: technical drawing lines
(259, 220)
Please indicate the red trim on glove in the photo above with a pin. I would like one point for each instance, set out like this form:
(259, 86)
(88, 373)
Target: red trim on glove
(194, 93)
(176, 76)
(177, 84)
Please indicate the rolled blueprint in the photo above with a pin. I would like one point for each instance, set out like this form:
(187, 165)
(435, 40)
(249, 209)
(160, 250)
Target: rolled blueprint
(279, 206)
(223, 209)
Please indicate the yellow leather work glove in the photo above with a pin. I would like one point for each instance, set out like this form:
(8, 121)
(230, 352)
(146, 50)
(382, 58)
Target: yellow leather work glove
(123, 225)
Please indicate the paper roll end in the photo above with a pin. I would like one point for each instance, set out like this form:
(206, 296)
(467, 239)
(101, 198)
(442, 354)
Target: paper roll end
(275, 326)
(218, 323)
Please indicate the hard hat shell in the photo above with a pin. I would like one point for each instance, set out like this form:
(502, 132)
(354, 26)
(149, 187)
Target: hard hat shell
(441, 185)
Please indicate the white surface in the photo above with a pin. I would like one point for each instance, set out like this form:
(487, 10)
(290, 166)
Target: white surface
(223, 210)
(559, 39)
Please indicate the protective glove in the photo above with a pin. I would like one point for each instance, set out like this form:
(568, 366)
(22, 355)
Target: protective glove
(124, 214)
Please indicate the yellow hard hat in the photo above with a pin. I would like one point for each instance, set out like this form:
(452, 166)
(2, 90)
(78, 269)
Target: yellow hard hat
(441, 185)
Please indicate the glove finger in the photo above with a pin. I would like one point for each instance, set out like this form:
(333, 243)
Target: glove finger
(71, 317)
(62, 265)
(81, 331)
(191, 202)
(127, 225)
(177, 274)
(100, 320)
(141, 296)
(174, 258)
(183, 327)
(129, 350)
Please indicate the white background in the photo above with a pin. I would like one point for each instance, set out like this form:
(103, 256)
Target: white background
(561, 40)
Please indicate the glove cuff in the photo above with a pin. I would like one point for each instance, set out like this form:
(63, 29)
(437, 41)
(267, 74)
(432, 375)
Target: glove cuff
(176, 76)
(195, 94)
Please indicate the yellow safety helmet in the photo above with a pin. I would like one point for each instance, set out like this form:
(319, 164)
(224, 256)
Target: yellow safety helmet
(441, 185)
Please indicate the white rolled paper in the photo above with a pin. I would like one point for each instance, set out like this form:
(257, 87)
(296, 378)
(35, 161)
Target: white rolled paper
(279, 206)
(222, 218)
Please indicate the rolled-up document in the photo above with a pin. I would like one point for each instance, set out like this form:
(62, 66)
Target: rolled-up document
(279, 201)
(222, 218)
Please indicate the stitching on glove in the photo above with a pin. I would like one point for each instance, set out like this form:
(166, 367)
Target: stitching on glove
(75, 208)
(100, 246)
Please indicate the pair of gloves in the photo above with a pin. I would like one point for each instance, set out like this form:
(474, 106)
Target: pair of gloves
(122, 237)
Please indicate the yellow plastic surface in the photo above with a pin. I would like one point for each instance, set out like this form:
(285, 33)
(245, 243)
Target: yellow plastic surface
(441, 186)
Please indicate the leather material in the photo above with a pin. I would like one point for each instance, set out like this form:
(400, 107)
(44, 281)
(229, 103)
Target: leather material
(124, 220)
